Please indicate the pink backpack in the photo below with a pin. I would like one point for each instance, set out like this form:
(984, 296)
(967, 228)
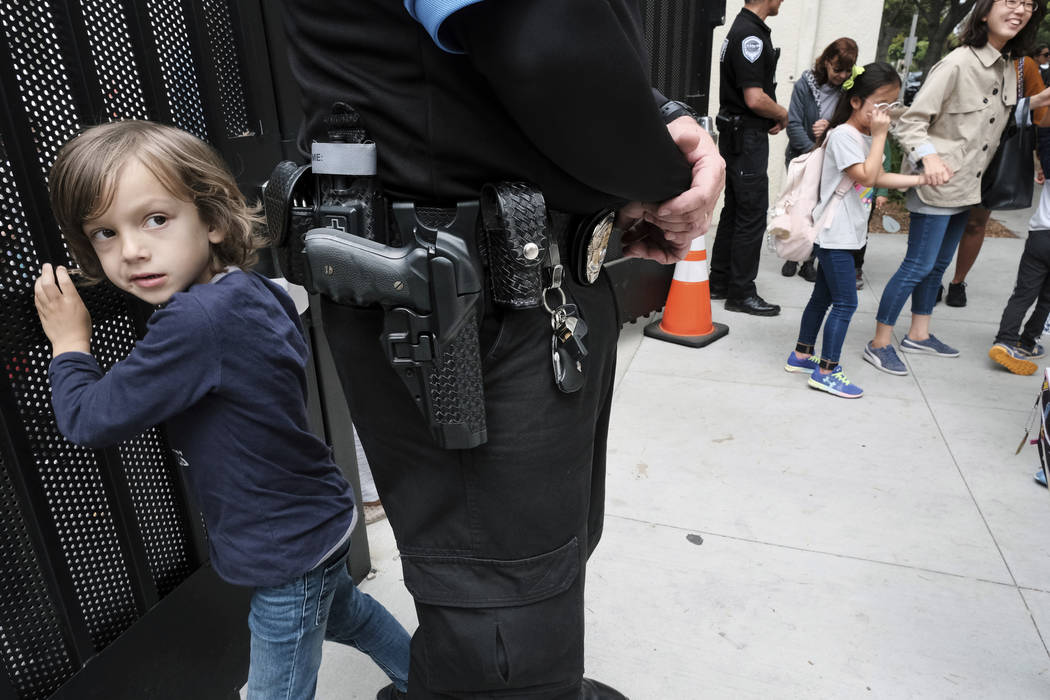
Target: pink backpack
(791, 230)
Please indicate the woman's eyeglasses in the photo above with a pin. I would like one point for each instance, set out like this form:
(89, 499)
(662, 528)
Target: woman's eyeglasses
(1029, 6)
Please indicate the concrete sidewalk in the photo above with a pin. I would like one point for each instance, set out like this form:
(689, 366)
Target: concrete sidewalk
(766, 540)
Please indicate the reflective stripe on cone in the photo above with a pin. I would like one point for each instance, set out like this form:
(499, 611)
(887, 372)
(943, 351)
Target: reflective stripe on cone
(687, 313)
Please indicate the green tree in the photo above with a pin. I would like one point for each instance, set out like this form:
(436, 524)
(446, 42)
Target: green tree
(938, 20)
(1043, 37)
(935, 30)
(896, 51)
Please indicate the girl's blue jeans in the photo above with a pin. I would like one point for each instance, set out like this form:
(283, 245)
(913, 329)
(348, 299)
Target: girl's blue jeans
(932, 240)
(289, 622)
(836, 286)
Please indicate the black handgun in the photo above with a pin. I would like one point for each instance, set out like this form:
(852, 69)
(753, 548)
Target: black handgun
(431, 292)
(322, 218)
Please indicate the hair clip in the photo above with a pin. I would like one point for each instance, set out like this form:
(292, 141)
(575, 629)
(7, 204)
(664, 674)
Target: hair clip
(847, 84)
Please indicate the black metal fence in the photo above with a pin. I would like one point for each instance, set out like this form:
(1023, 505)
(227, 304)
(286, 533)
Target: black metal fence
(103, 551)
(95, 541)
(678, 35)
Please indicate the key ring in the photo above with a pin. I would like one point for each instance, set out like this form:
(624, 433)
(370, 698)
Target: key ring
(553, 289)
(557, 273)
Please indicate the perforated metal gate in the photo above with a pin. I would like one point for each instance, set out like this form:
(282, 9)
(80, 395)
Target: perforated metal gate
(92, 540)
(678, 34)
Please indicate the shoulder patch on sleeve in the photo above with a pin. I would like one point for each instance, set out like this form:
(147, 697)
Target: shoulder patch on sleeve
(752, 48)
(722, 53)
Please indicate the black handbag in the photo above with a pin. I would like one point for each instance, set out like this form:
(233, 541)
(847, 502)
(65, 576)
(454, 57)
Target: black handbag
(1009, 180)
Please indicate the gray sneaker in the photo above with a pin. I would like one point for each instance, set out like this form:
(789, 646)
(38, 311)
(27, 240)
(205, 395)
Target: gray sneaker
(885, 359)
(930, 346)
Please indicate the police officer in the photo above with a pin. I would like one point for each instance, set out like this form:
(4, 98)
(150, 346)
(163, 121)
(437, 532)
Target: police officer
(748, 112)
(494, 540)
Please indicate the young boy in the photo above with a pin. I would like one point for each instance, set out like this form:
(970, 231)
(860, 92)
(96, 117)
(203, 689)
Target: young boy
(154, 210)
(1018, 353)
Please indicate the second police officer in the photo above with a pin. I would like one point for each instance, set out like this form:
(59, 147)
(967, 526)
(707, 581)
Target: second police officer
(748, 113)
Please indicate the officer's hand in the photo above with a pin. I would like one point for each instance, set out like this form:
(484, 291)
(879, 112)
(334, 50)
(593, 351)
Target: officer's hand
(688, 215)
(63, 315)
(642, 239)
(936, 170)
(782, 122)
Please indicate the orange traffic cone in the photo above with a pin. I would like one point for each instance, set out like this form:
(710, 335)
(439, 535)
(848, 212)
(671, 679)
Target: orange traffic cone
(687, 313)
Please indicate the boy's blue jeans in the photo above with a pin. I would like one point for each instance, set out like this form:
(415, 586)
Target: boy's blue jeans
(932, 240)
(836, 286)
(289, 622)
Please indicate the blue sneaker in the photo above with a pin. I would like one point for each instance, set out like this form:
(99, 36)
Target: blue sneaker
(1012, 358)
(885, 359)
(835, 383)
(930, 346)
(794, 364)
(1040, 478)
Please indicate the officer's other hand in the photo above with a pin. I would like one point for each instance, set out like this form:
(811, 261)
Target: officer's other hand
(688, 215)
(936, 170)
(64, 317)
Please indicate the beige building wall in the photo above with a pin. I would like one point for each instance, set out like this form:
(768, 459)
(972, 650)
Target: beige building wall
(802, 30)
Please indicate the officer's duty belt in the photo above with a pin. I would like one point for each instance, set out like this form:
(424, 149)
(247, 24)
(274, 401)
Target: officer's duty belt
(585, 241)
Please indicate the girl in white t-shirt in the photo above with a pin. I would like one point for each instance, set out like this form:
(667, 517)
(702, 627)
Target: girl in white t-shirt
(855, 141)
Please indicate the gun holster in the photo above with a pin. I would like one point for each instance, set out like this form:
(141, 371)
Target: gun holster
(430, 288)
(731, 131)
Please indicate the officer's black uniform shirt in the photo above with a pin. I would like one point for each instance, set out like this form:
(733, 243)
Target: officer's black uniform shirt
(553, 92)
(748, 59)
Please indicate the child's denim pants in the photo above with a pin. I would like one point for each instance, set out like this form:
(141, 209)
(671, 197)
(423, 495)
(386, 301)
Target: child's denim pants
(289, 622)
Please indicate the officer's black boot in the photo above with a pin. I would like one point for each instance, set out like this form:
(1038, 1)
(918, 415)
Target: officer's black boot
(591, 689)
(390, 693)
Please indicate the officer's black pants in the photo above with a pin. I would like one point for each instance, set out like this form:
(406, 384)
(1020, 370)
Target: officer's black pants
(494, 541)
(1032, 285)
(738, 243)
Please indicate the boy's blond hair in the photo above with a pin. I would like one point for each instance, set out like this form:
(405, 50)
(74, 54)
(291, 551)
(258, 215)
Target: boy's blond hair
(84, 176)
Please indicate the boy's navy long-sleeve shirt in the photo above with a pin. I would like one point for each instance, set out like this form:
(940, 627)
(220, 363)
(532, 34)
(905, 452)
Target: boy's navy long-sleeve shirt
(223, 366)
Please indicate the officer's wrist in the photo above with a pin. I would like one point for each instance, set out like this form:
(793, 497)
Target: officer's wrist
(672, 109)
